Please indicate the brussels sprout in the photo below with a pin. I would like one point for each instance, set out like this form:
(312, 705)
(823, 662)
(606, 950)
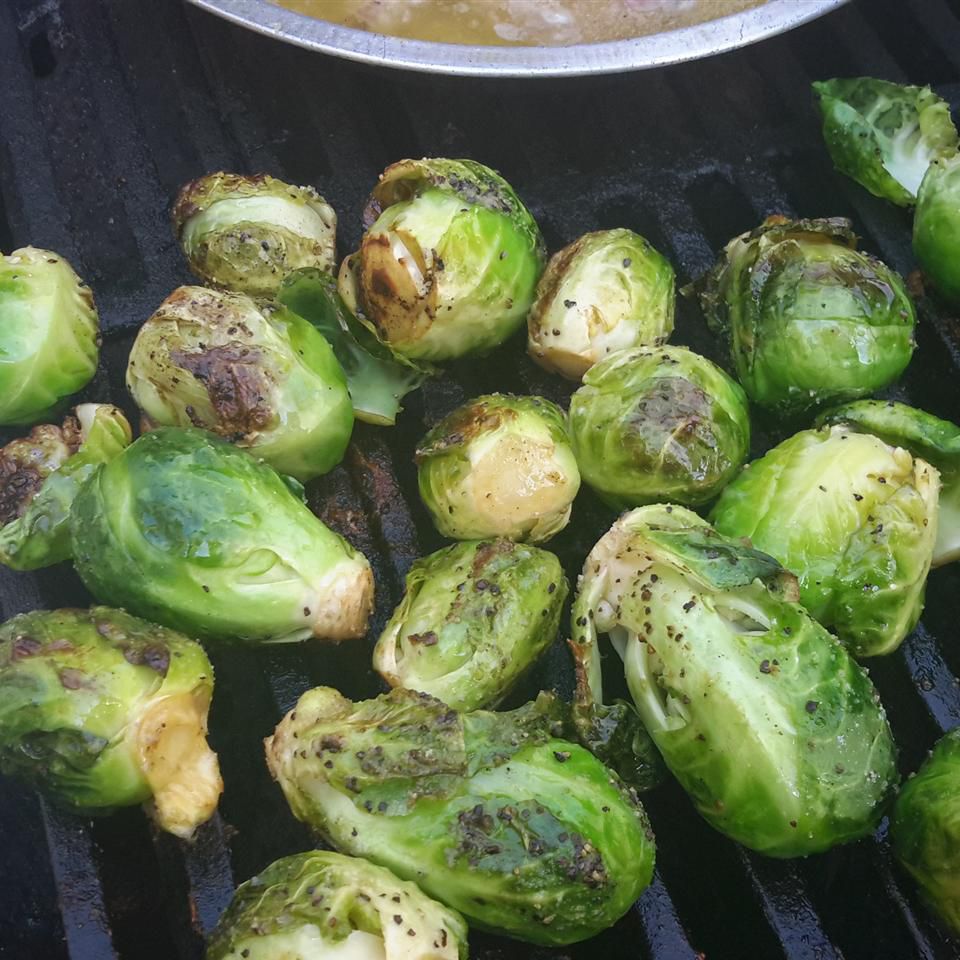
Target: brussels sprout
(499, 466)
(924, 435)
(49, 335)
(40, 476)
(324, 906)
(936, 226)
(925, 828)
(607, 291)
(377, 380)
(189, 531)
(246, 233)
(656, 423)
(767, 722)
(807, 319)
(474, 618)
(257, 375)
(491, 813)
(104, 710)
(449, 262)
(854, 518)
(883, 134)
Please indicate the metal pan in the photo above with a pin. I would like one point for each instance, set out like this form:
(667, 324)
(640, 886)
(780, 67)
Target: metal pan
(673, 46)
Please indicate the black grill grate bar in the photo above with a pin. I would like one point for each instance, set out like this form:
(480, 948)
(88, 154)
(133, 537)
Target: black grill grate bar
(663, 931)
(937, 686)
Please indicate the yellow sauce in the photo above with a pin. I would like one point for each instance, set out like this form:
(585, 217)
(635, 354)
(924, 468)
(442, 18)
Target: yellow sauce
(551, 23)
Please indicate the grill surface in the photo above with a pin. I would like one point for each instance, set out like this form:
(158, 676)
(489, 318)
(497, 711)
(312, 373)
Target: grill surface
(109, 105)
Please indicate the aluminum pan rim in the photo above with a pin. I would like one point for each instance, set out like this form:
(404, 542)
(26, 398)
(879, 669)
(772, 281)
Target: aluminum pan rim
(674, 46)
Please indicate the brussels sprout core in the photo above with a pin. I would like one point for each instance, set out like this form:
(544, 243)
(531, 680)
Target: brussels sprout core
(246, 233)
(658, 423)
(257, 375)
(449, 262)
(807, 319)
(500, 466)
(105, 710)
(49, 335)
(766, 721)
(40, 476)
(607, 291)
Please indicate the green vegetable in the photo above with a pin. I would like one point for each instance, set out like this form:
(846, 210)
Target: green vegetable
(884, 135)
(449, 262)
(925, 828)
(492, 814)
(189, 531)
(257, 375)
(49, 335)
(807, 319)
(854, 518)
(102, 710)
(323, 906)
(474, 618)
(607, 291)
(40, 475)
(655, 423)
(377, 380)
(936, 227)
(924, 435)
(769, 725)
(247, 233)
(499, 466)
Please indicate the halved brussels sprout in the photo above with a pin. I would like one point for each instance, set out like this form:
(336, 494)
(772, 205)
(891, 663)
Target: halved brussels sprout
(770, 726)
(376, 379)
(49, 335)
(256, 374)
(475, 617)
(925, 828)
(40, 476)
(936, 226)
(854, 518)
(499, 466)
(102, 709)
(449, 262)
(924, 435)
(654, 423)
(245, 233)
(324, 906)
(189, 531)
(884, 135)
(807, 319)
(493, 814)
(607, 291)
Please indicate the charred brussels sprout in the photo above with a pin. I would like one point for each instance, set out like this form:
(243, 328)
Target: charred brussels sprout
(103, 710)
(449, 262)
(324, 906)
(188, 530)
(40, 476)
(256, 374)
(936, 226)
(926, 436)
(808, 320)
(493, 814)
(474, 618)
(246, 233)
(925, 829)
(854, 518)
(499, 466)
(49, 335)
(767, 722)
(607, 291)
(376, 379)
(658, 423)
(884, 135)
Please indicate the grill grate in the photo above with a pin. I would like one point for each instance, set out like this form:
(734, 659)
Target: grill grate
(109, 105)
